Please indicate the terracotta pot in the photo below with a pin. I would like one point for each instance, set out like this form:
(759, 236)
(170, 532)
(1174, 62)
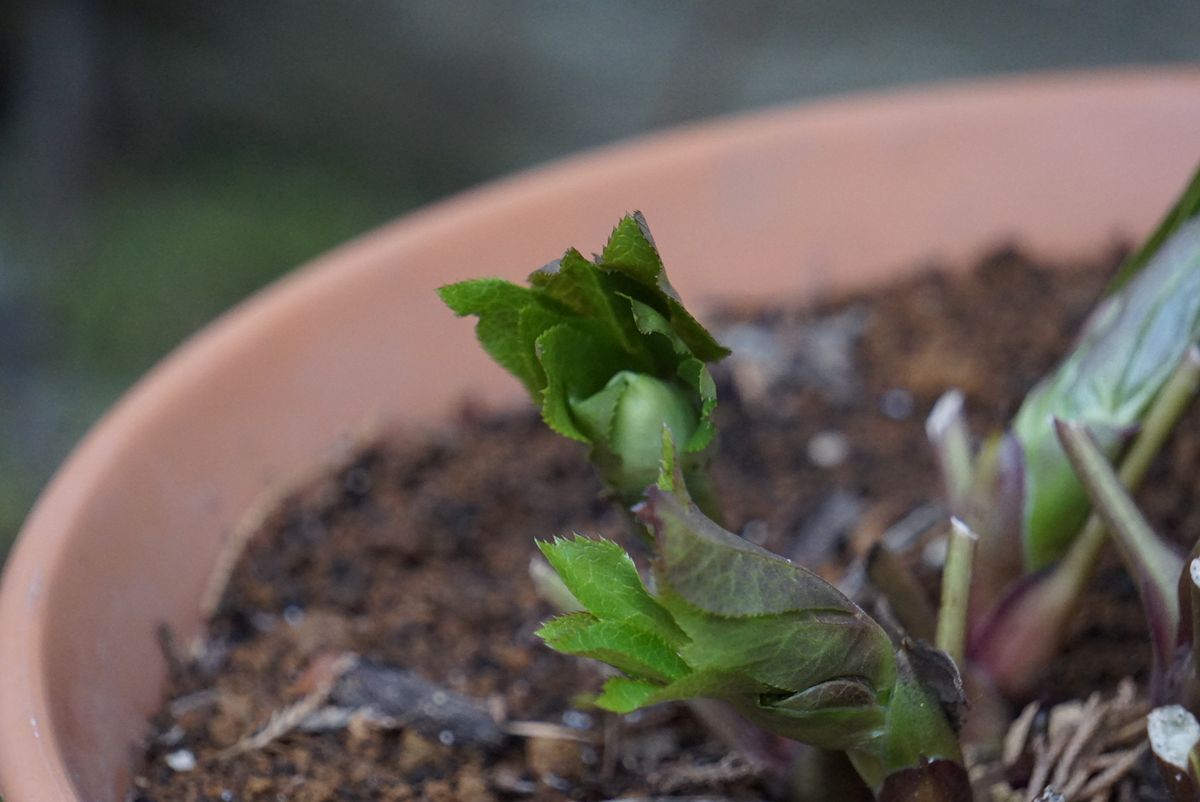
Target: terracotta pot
(793, 202)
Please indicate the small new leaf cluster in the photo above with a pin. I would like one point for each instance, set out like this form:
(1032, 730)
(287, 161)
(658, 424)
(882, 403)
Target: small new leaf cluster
(732, 621)
(608, 353)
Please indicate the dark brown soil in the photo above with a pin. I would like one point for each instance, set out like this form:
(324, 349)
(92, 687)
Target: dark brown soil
(415, 556)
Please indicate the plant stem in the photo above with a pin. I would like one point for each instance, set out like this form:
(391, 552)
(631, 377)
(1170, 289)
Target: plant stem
(1154, 567)
(956, 590)
(1168, 407)
(947, 430)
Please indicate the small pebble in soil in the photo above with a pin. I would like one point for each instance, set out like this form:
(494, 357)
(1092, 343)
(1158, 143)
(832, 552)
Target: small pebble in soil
(555, 760)
(180, 760)
(897, 403)
(263, 622)
(577, 720)
(293, 614)
(934, 553)
(172, 736)
(828, 449)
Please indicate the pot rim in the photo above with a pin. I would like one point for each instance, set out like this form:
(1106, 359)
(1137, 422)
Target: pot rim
(32, 764)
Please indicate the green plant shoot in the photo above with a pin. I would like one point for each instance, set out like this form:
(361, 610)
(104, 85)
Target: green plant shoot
(1129, 347)
(732, 621)
(1132, 343)
(1127, 380)
(609, 354)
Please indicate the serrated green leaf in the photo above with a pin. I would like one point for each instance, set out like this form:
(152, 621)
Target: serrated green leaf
(565, 626)
(842, 714)
(745, 609)
(670, 472)
(650, 322)
(603, 577)
(624, 695)
(789, 651)
(630, 694)
(579, 286)
(499, 305)
(720, 573)
(631, 249)
(581, 327)
(775, 641)
(578, 363)
(713, 683)
(618, 643)
(695, 374)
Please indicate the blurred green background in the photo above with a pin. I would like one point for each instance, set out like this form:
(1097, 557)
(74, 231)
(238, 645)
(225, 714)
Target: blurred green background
(160, 160)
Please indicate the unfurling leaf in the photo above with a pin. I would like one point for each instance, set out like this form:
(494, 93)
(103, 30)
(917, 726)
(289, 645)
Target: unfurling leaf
(1023, 629)
(1133, 341)
(729, 620)
(607, 351)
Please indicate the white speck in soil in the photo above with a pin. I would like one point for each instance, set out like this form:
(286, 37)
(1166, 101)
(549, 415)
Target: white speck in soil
(172, 736)
(446, 738)
(180, 760)
(828, 449)
(293, 614)
(557, 783)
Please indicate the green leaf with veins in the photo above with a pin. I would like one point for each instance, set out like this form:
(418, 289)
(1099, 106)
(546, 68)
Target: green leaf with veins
(605, 581)
(618, 643)
(749, 627)
(608, 353)
(1133, 341)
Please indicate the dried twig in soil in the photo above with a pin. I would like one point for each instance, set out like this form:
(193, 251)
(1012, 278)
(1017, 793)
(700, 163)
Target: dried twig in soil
(1081, 753)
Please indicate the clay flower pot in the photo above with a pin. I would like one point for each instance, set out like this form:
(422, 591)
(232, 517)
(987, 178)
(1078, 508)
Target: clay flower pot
(798, 201)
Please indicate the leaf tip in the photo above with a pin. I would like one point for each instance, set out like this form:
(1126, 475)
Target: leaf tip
(946, 412)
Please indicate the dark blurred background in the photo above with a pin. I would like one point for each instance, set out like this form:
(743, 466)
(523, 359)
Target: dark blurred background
(160, 160)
